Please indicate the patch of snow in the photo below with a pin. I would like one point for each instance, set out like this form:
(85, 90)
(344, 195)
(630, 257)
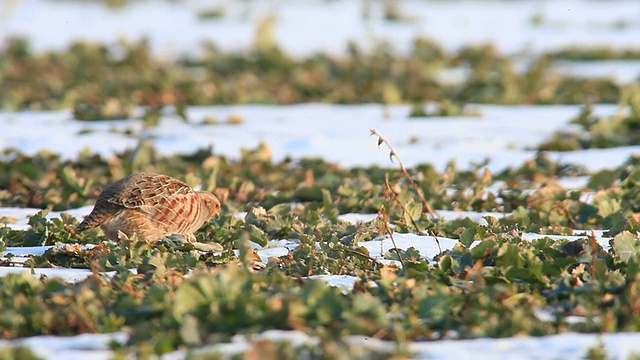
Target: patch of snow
(20, 216)
(573, 183)
(79, 347)
(596, 233)
(478, 217)
(240, 215)
(426, 245)
(35, 250)
(242, 343)
(26, 250)
(345, 282)
(265, 254)
(562, 346)
(71, 276)
(621, 72)
(357, 218)
(505, 135)
(602, 240)
(596, 159)
(303, 28)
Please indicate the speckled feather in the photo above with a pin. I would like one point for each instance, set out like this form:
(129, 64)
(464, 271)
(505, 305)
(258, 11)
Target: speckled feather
(151, 206)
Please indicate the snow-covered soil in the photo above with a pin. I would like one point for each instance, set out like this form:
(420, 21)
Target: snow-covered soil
(565, 346)
(310, 26)
(562, 346)
(506, 135)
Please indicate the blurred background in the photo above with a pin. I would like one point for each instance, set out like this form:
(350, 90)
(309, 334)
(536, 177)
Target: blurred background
(302, 28)
(155, 59)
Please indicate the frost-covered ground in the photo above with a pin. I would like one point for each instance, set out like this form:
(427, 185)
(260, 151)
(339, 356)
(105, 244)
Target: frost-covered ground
(339, 134)
(565, 346)
(302, 28)
(506, 135)
(305, 27)
(562, 346)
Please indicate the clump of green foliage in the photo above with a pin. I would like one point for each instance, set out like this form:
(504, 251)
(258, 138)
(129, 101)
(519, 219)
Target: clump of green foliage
(17, 353)
(172, 295)
(619, 129)
(324, 188)
(101, 81)
(497, 288)
(492, 283)
(594, 53)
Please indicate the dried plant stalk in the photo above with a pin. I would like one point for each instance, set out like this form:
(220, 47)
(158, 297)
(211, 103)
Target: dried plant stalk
(383, 227)
(426, 206)
(394, 154)
(389, 190)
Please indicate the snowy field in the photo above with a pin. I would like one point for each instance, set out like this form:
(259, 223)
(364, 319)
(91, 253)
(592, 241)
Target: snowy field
(562, 346)
(311, 26)
(339, 134)
(506, 135)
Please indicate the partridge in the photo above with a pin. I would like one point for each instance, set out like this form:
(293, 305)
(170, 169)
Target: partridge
(151, 206)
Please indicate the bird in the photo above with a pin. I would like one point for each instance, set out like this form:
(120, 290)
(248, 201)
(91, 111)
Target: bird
(150, 206)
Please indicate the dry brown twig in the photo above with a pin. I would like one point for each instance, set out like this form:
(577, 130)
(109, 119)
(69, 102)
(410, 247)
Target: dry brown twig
(394, 154)
(426, 206)
(389, 190)
(383, 227)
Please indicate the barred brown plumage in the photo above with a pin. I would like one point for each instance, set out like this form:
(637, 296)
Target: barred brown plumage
(151, 206)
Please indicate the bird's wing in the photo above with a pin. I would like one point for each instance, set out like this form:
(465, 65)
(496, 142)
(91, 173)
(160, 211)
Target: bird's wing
(165, 201)
(150, 191)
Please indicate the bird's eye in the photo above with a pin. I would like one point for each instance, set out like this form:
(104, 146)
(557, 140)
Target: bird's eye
(211, 204)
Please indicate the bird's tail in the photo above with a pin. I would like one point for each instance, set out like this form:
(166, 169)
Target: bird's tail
(91, 221)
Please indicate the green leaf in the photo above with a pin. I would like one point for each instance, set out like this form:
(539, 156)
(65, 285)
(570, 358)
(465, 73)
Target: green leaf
(625, 246)
(492, 221)
(414, 211)
(484, 246)
(468, 236)
(190, 330)
(34, 238)
(411, 254)
(522, 216)
(329, 209)
(141, 157)
(605, 204)
(71, 181)
(308, 193)
(445, 263)
(632, 180)
(437, 308)
(39, 220)
(508, 256)
(190, 296)
(257, 235)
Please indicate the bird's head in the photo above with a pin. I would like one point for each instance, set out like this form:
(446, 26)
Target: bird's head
(209, 202)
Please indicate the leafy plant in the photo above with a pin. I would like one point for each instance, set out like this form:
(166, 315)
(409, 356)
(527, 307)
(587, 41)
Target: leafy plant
(620, 129)
(106, 81)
